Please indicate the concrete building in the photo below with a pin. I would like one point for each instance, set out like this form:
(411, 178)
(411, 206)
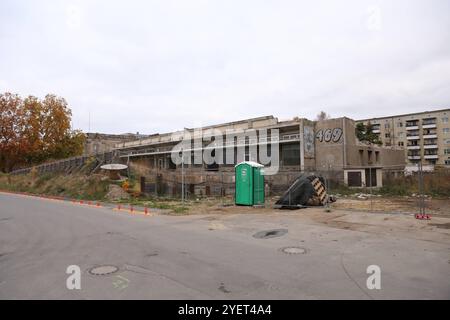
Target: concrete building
(425, 136)
(329, 146)
(100, 142)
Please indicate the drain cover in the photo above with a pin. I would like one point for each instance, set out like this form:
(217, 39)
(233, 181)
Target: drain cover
(103, 270)
(293, 250)
(270, 233)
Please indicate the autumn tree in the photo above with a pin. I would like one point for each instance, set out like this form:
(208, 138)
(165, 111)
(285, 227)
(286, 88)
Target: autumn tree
(12, 142)
(34, 131)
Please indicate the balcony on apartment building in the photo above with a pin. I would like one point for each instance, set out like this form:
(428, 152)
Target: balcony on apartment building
(429, 133)
(430, 154)
(412, 125)
(413, 145)
(412, 135)
(376, 128)
(429, 123)
(413, 155)
(430, 144)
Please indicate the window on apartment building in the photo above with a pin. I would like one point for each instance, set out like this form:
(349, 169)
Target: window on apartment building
(447, 151)
(387, 125)
(377, 156)
(401, 144)
(447, 162)
(446, 130)
(400, 134)
(444, 119)
(387, 135)
(399, 124)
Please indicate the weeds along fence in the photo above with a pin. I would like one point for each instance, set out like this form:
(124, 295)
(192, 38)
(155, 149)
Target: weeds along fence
(84, 164)
(376, 189)
(415, 190)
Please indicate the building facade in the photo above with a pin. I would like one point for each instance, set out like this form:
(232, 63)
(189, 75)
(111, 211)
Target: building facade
(425, 136)
(100, 142)
(329, 147)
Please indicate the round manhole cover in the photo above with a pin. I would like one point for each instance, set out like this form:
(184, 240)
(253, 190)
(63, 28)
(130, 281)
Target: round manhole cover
(293, 250)
(103, 270)
(270, 233)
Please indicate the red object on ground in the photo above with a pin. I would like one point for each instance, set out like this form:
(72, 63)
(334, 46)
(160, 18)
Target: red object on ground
(423, 217)
(146, 210)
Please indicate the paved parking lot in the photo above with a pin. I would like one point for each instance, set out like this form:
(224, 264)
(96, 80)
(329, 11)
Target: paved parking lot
(305, 254)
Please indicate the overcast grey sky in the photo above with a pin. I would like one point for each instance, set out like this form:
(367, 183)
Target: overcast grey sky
(157, 66)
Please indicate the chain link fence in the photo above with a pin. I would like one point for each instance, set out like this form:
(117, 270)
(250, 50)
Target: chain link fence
(374, 189)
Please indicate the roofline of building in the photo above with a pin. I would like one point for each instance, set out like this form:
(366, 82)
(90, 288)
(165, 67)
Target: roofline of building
(403, 115)
(269, 117)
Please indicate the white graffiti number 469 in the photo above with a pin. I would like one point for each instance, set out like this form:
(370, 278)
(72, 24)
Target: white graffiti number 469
(329, 135)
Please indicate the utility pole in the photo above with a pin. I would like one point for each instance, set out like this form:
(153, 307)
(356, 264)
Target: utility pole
(421, 190)
(370, 183)
(182, 175)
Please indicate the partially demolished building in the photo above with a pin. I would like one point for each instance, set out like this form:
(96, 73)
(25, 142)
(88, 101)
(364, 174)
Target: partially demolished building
(329, 148)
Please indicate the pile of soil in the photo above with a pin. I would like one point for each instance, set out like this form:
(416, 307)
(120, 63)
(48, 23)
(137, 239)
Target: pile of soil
(116, 193)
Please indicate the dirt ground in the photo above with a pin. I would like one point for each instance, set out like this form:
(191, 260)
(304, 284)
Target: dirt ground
(392, 224)
(406, 205)
(439, 207)
(391, 216)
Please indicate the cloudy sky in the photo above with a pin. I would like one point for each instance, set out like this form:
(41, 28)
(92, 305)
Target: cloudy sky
(156, 66)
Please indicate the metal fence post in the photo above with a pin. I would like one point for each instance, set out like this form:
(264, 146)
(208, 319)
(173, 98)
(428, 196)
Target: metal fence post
(182, 175)
(370, 188)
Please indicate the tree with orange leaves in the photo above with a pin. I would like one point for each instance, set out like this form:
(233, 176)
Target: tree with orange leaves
(33, 131)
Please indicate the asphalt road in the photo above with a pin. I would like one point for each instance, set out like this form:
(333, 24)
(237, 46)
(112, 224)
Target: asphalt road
(196, 257)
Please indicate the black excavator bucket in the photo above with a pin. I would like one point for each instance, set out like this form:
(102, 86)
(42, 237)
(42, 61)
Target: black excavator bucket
(307, 190)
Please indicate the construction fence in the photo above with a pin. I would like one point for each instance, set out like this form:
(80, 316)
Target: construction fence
(387, 189)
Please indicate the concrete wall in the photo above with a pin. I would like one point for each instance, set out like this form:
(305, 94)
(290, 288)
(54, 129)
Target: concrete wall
(329, 147)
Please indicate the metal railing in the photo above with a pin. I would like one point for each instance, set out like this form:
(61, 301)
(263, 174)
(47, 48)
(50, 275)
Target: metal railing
(70, 165)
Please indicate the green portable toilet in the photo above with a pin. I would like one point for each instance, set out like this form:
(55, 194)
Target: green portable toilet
(249, 179)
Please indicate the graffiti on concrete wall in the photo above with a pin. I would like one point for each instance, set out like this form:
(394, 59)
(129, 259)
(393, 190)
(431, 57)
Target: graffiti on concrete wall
(308, 137)
(329, 135)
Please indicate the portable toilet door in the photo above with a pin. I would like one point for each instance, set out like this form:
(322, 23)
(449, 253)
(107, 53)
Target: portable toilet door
(245, 183)
(258, 186)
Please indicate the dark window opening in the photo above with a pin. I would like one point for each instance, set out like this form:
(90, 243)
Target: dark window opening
(290, 154)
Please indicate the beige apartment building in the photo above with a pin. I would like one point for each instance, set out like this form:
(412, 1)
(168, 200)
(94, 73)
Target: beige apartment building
(425, 136)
